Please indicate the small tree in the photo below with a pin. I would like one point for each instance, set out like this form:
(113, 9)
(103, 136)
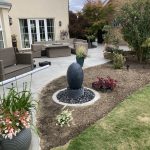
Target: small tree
(135, 22)
(77, 25)
(97, 16)
(110, 37)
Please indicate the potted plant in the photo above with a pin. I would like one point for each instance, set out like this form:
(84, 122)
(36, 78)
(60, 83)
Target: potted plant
(80, 55)
(15, 119)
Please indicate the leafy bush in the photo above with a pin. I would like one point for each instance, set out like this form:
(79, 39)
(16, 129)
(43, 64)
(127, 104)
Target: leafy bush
(110, 36)
(134, 19)
(64, 118)
(15, 112)
(104, 84)
(118, 61)
(146, 49)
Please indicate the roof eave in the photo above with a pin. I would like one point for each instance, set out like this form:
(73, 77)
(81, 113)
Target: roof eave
(5, 5)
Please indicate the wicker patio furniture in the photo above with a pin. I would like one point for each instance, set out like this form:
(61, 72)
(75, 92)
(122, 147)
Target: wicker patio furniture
(58, 50)
(12, 64)
(37, 50)
(61, 48)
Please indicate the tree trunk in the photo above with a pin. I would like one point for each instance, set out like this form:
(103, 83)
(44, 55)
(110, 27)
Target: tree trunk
(141, 55)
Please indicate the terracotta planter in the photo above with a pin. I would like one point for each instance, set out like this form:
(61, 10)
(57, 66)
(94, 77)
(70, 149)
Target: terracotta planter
(20, 142)
(80, 61)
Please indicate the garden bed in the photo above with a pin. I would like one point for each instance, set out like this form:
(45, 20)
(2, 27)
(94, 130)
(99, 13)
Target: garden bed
(128, 82)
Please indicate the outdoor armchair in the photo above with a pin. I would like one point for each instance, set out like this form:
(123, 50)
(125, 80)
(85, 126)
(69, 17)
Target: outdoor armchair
(37, 50)
(12, 64)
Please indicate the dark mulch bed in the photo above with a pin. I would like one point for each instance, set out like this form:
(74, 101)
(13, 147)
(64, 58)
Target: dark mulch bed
(128, 82)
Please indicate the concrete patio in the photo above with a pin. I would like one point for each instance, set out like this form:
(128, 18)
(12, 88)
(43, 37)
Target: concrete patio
(58, 68)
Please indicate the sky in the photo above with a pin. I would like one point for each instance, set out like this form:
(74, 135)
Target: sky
(76, 5)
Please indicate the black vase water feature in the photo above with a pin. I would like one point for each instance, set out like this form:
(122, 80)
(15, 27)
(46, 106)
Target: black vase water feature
(75, 94)
(75, 79)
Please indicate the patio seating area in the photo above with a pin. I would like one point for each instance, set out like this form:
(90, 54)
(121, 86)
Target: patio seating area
(14, 63)
(61, 48)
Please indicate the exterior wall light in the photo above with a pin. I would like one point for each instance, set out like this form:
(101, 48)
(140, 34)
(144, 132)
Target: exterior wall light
(60, 23)
(10, 21)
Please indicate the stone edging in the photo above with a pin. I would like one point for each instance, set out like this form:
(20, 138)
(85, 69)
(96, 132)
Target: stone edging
(96, 98)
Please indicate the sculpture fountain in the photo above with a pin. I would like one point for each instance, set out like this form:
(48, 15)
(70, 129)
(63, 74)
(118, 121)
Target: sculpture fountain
(75, 94)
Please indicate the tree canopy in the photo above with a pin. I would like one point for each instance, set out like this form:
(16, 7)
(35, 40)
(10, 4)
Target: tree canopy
(135, 22)
(90, 20)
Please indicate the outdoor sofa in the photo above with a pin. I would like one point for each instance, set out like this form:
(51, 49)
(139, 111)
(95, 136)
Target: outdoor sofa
(13, 64)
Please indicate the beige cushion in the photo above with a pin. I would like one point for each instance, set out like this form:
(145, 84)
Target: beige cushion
(8, 56)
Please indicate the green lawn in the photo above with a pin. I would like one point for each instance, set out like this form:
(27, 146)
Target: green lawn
(127, 127)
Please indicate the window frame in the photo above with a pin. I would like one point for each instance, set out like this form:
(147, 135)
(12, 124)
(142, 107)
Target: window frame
(39, 39)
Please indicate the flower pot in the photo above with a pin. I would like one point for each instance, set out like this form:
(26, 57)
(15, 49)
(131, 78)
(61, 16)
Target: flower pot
(80, 61)
(21, 141)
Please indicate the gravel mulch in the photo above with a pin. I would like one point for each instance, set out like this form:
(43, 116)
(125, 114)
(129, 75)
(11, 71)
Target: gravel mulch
(128, 82)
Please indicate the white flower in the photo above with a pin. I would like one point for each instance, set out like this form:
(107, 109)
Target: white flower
(17, 124)
(10, 135)
(6, 131)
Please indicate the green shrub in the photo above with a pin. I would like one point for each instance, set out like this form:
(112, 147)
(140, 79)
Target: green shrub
(134, 20)
(17, 100)
(118, 61)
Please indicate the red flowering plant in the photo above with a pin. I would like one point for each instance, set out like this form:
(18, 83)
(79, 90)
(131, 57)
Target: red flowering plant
(104, 84)
(15, 112)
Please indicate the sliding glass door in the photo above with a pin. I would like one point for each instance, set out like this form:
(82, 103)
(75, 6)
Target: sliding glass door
(36, 30)
(42, 30)
(33, 31)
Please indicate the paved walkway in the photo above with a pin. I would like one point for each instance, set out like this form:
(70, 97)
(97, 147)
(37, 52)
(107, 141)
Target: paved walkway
(58, 68)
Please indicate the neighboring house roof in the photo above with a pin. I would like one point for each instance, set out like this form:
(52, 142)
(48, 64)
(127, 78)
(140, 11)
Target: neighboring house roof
(5, 4)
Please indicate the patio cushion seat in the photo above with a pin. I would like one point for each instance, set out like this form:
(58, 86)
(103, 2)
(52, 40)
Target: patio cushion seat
(15, 70)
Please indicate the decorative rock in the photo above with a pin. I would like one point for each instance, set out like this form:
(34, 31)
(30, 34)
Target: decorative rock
(86, 97)
(75, 76)
(75, 93)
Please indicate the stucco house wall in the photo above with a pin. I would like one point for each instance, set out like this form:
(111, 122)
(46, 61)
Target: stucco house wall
(39, 9)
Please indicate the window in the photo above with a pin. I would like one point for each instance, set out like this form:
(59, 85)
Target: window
(50, 28)
(24, 33)
(1, 36)
(33, 30)
(42, 30)
(1, 40)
